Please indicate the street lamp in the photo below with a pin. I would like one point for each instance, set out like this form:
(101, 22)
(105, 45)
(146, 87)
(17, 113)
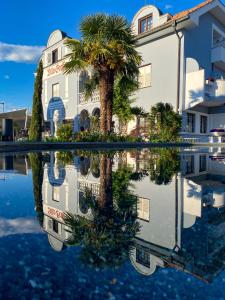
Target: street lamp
(3, 106)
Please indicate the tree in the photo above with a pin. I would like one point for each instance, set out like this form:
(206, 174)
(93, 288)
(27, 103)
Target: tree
(123, 89)
(107, 237)
(107, 46)
(164, 124)
(164, 164)
(35, 132)
(36, 161)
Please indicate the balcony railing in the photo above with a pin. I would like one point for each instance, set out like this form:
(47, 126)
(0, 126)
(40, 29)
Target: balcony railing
(219, 44)
(93, 99)
(215, 90)
(93, 187)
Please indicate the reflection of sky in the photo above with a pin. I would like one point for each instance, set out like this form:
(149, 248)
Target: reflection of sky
(18, 226)
(16, 196)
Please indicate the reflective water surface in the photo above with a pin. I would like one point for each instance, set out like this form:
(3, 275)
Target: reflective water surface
(113, 225)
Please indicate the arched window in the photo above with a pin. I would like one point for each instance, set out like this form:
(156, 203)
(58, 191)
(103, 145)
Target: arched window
(84, 120)
(82, 80)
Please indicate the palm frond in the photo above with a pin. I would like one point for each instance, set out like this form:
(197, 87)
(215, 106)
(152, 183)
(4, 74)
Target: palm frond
(77, 60)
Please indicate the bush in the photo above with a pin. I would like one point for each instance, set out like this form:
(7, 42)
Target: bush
(86, 136)
(165, 124)
(65, 133)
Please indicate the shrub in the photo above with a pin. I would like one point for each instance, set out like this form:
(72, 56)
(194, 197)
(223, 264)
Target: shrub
(87, 136)
(65, 133)
(165, 124)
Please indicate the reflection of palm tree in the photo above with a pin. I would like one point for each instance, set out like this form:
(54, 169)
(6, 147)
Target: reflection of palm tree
(107, 237)
(163, 165)
(36, 161)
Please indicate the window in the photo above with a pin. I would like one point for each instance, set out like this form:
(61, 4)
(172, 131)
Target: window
(83, 77)
(190, 164)
(143, 257)
(55, 90)
(143, 209)
(55, 194)
(217, 37)
(55, 226)
(203, 124)
(190, 122)
(202, 163)
(54, 56)
(145, 76)
(145, 24)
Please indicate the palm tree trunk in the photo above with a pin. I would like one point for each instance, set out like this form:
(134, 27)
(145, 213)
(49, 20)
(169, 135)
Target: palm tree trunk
(103, 102)
(110, 102)
(106, 82)
(105, 191)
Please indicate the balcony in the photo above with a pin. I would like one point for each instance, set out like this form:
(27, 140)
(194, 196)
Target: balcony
(215, 92)
(93, 99)
(218, 55)
(203, 92)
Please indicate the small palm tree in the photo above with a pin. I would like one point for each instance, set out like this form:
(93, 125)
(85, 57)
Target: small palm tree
(107, 46)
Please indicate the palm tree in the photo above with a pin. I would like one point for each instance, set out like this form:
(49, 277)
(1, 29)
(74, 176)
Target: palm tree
(107, 46)
(107, 237)
(164, 164)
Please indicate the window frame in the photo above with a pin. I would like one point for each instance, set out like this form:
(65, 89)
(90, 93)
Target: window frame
(205, 127)
(193, 123)
(53, 52)
(54, 84)
(150, 84)
(140, 22)
(218, 30)
(189, 164)
(202, 163)
(140, 199)
(54, 191)
(143, 257)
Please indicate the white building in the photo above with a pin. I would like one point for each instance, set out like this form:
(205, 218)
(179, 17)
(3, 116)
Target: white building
(182, 223)
(183, 64)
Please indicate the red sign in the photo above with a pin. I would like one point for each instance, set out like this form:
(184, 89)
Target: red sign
(58, 68)
(54, 213)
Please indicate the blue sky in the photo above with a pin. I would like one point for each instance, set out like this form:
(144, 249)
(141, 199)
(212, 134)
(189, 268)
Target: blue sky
(26, 24)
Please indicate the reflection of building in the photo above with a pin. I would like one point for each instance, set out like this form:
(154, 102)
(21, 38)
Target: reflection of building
(62, 192)
(13, 164)
(21, 121)
(192, 74)
(185, 227)
(182, 223)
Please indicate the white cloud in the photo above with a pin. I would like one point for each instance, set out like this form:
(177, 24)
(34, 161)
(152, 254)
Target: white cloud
(168, 6)
(18, 226)
(6, 77)
(19, 53)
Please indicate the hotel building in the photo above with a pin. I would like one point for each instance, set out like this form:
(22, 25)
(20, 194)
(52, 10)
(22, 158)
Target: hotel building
(183, 63)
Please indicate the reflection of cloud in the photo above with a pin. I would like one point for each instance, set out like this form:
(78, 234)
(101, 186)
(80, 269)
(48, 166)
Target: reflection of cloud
(19, 53)
(18, 226)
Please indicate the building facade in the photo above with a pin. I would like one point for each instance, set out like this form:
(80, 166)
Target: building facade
(183, 63)
(181, 222)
